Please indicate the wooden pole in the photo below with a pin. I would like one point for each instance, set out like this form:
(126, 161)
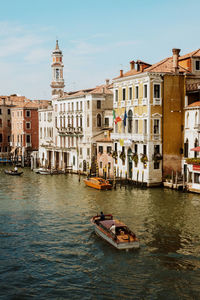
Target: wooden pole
(120, 179)
(79, 175)
(137, 176)
(114, 179)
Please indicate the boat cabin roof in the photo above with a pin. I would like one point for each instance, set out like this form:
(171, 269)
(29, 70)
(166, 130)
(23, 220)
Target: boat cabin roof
(109, 223)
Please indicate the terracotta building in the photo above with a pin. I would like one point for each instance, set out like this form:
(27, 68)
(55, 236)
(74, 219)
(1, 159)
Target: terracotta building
(25, 133)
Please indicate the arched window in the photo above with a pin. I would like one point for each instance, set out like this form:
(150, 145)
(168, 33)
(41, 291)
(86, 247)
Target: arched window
(72, 121)
(187, 120)
(130, 116)
(196, 119)
(196, 144)
(76, 121)
(68, 121)
(81, 120)
(98, 120)
(186, 147)
(60, 122)
(64, 121)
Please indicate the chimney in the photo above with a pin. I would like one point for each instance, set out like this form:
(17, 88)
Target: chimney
(175, 52)
(132, 65)
(121, 73)
(107, 81)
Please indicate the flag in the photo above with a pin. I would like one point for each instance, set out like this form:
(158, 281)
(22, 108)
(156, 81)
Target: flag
(114, 114)
(125, 117)
(117, 119)
(121, 142)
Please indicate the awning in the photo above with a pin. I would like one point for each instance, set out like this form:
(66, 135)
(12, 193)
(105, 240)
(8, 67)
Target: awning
(197, 149)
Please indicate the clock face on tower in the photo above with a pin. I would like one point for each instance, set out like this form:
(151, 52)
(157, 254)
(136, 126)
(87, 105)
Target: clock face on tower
(57, 73)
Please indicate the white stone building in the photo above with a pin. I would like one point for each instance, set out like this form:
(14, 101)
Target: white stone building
(78, 120)
(191, 162)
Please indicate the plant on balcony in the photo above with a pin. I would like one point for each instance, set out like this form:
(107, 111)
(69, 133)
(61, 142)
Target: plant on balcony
(122, 156)
(156, 157)
(144, 159)
(114, 154)
(135, 158)
(193, 161)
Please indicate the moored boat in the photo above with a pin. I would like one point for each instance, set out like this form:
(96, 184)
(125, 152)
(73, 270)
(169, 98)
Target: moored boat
(13, 173)
(115, 232)
(98, 183)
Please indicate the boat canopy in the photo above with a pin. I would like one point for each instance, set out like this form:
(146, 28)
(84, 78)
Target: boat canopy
(109, 223)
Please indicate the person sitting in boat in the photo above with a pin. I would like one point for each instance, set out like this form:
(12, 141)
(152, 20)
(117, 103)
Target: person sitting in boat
(15, 169)
(102, 217)
(112, 229)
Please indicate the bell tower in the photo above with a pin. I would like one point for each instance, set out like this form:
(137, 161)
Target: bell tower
(57, 83)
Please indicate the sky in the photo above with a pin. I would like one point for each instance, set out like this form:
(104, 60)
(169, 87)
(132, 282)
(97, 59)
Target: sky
(97, 38)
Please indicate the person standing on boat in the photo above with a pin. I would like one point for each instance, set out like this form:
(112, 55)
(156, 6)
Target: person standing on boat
(15, 169)
(102, 216)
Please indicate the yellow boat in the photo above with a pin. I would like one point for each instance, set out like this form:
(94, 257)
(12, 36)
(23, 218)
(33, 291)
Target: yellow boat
(98, 183)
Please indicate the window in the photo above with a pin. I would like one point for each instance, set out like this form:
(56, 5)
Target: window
(80, 150)
(116, 95)
(130, 93)
(56, 107)
(130, 116)
(81, 105)
(145, 149)
(106, 120)
(81, 121)
(56, 122)
(1, 138)
(109, 149)
(156, 125)
(0, 122)
(156, 91)
(196, 144)
(145, 127)
(41, 132)
(28, 138)
(60, 107)
(145, 90)
(88, 104)
(63, 106)
(76, 105)
(197, 64)
(99, 104)
(45, 117)
(124, 94)
(136, 126)
(116, 147)
(8, 111)
(74, 160)
(88, 151)
(9, 123)
(72, 124)
(98, 120)
(72, 106)
(101, 165)
(1, 112)
(8, 139)
(28, 113)
(136, 92)
(57, 73)
(156, 165)
(100, 149)
(156, 149)
(76, 121)
(88, 121)
(136, 148)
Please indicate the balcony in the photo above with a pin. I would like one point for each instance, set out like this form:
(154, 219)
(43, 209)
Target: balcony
(157, 101)
(144, 101)
(28, 145)
(197, 127)
(122, 103)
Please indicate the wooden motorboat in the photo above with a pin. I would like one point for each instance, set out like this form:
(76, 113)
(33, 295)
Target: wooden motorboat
(45, 172)
(98, 183)
(13, 173)
(115, 232)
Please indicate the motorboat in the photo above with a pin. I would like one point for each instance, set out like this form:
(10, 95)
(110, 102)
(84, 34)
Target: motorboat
(37, 170)
(114, 232)
(13, 173)
(45, 172)
(98, 183)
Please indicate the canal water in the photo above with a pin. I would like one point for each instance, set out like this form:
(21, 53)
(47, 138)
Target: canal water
(48, 249)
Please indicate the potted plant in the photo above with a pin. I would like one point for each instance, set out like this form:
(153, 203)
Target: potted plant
(122, 156)
(114, 154)
(157, 157)
(144, 160)
(135, 158)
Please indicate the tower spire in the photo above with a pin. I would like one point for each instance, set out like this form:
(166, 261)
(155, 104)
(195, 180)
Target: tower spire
(57, 83)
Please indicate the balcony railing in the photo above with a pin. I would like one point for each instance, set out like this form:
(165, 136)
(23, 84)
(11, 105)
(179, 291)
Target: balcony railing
(144, 101)
(157, 101)
(135, 102)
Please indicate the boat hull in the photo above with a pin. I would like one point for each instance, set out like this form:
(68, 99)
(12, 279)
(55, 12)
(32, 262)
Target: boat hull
(97, 186)
(120, 246)
(12, 173)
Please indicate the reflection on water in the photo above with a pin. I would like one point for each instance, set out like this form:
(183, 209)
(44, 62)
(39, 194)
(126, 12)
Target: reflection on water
(48, 249)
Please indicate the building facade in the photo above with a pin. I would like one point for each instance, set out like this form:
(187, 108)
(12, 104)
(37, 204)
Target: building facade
(148, 111)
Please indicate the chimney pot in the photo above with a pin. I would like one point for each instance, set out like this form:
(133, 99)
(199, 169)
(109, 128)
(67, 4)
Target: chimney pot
(132, 65)
(121, 73)
(107, 81)
(175, 52)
